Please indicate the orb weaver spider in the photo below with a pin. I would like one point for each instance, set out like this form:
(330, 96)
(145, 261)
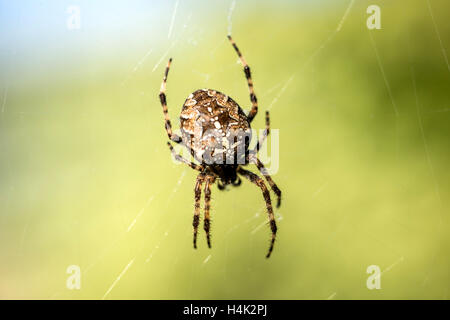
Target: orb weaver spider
(217, 133)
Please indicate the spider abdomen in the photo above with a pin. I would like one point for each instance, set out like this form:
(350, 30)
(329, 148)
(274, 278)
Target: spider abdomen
(215, 127)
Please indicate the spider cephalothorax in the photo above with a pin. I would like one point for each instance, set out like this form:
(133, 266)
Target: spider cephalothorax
(217, 133)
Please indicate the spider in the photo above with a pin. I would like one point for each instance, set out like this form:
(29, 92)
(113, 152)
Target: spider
(217, 133)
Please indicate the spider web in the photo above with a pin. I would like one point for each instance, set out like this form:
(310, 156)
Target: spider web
(178, 27)
(258, 219)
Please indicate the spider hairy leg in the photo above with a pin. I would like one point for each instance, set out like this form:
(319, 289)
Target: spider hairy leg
(163, 100)
(178, 157)
(197, 196)
(248, 76)
(265, 134)
(207, 220)
(266, 175)
(260, 183)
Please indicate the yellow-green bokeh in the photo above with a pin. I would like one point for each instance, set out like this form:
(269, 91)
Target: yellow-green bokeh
(364, 128)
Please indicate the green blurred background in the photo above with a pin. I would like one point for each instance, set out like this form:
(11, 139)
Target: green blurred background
(86, 178)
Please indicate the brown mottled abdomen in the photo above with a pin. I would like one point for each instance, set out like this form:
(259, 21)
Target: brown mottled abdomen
(214, 125)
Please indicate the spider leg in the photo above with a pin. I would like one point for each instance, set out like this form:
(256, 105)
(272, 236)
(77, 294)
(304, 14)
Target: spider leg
(198, 194)
(181, 159)
(162, 98)
(260, 183)
(265, 134)
(207, 221)
(248, 75)
(266, 175)
(220, 185)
